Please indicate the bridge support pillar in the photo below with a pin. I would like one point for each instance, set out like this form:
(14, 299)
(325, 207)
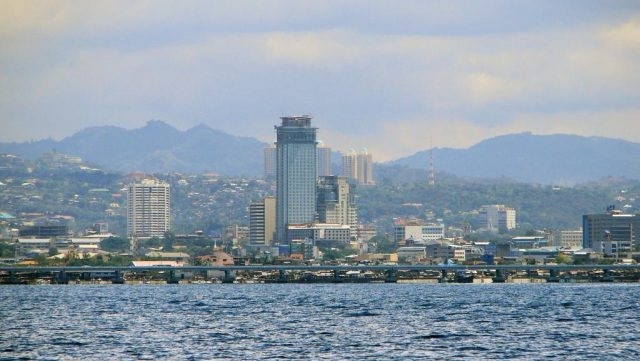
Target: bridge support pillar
(336, 276)
(228, 277)
(391, 276)
(282, 277)
(500, 277)
(171, 277)
(62, 278)
(443, 276)
(13, 279)
(553, 276)
(606, 276)
(118, 278)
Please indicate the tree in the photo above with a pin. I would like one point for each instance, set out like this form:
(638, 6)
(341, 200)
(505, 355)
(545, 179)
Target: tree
(115, 244)
(53, 251)
(168, 241)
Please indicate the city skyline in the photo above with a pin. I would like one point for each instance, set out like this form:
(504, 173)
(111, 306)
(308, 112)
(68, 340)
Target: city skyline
(387, 78)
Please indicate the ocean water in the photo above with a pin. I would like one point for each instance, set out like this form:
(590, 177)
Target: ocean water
(320, 322)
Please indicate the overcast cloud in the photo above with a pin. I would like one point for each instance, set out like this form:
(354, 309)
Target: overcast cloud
(391, 76)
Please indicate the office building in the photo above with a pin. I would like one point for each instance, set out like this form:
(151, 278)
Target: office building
(571, 239)
(336, 201)
(295, 173)
(262, 221)
(613, 233)
(148, 208)
(323, 160)
(270, 162)
(418, 232)
(497, 217)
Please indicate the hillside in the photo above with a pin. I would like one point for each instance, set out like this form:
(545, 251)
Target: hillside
(559, 159)
(155, 148)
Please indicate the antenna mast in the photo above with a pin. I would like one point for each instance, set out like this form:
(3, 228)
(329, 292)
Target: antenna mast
(432, 173)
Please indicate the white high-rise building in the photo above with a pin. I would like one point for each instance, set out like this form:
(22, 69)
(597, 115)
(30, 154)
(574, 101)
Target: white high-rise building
(497, 217)
(358, 167)
(148, 208)
(349, 165)
(365, 168)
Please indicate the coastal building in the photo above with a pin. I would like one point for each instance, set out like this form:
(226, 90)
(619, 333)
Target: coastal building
(148, 208)
(262, 221)
(295, 173)
(613, 233)
(497, 217)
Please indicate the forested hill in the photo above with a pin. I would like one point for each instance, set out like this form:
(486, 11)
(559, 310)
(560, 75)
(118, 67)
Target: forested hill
(155, 148)
(558, 159)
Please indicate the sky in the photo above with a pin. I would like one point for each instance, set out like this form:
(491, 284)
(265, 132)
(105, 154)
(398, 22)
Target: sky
(395, 77)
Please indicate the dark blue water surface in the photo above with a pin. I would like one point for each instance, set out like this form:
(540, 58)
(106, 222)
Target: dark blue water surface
(293, 321)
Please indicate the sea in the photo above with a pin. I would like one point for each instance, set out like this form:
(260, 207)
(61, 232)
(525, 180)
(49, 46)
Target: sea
(320, 322)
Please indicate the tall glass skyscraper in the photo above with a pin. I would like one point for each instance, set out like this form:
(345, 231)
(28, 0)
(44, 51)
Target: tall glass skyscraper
(295, 174)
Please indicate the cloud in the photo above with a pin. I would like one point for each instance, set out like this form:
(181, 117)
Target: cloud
(375, 75)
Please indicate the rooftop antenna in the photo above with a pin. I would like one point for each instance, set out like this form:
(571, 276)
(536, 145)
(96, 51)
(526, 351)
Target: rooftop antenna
(432, 173)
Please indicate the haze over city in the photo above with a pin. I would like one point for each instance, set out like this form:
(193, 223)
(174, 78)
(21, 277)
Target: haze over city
(393, 77)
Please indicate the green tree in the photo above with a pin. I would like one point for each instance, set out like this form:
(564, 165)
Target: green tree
(115, 244)
(53, 251)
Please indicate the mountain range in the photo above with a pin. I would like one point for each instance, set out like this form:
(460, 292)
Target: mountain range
(158, 147)
(560, 159)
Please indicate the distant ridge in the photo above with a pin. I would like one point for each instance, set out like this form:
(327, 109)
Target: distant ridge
(559, 158)
(156, 147)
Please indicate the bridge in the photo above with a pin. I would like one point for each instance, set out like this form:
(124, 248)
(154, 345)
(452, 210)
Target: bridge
(386, 273)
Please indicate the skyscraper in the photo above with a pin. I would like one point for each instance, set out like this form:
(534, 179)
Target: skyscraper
(324, 160)
(270, 162)
(350, 165)
(358, 167)
(295, 173)
(365, 168)
(148, 208)
(262, 221)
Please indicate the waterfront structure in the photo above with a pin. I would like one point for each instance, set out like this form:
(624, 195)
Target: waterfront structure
(497, 217)
(295, 173)
(270, 161)
(358, 167)
(323, 160)
(148, 208)
(262, 221)
(336, 201)
(613, 233)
